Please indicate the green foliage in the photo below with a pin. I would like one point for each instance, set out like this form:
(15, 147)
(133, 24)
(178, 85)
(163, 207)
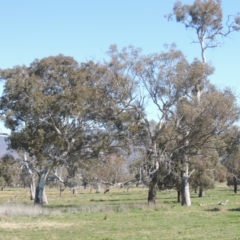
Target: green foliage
(63, 113)
(206, 19)
(9, 169)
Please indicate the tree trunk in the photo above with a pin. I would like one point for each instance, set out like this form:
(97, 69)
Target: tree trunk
(179, 196)
(32, 191)
(152, 188)
(235, 184)
(98, 188)
(32, 188)
(186, 200)
(61, 189)
(201, 192)
(40, 195)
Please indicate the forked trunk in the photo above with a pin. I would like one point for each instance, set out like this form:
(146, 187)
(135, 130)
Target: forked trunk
(40, 196)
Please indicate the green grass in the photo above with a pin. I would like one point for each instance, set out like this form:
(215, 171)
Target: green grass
(119, 215)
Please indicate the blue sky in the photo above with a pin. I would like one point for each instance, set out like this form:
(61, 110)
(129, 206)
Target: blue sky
(85, 30)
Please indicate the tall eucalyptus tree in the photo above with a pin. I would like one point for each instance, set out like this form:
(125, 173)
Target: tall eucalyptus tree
(205, 18)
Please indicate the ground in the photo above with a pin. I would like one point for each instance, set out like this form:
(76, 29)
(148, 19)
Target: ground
(119, 215)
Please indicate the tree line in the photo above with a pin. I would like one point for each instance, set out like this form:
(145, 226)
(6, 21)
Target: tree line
(76, 115)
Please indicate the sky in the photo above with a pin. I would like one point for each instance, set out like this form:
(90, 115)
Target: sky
(85, 30)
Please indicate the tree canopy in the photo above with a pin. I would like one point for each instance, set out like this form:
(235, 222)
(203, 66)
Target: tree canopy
(65, 113)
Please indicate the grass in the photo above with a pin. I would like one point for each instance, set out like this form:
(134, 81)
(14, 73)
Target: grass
(119, 215)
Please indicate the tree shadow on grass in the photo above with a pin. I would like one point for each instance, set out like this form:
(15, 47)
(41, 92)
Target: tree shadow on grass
(170, 202)
(196, 196)
(60, 206)
(215, 209)
(234, 209)
(122, 193)
(117, 200)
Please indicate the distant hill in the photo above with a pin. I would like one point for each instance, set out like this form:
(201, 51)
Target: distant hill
(4, 147)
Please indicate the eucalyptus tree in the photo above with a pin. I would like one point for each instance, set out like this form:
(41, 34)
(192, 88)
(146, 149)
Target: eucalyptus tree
(233, 169)
(186, 125)
(205, 18)
(211, 120)
(169, 79)
(229, 151)
(208, 170)
(61, 112)
(9, 171)
(211, 165)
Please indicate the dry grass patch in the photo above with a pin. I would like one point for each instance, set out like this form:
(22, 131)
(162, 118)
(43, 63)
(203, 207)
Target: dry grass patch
(21, 210)
(31, 225)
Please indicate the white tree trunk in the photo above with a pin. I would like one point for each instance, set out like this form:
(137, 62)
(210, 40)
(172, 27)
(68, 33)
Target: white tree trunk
(40, 195)
(45, 200)
(98, 187)
(32, 187)
(186, 200)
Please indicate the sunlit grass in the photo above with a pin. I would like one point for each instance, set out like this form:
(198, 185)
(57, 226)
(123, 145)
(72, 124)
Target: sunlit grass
(120, 215)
